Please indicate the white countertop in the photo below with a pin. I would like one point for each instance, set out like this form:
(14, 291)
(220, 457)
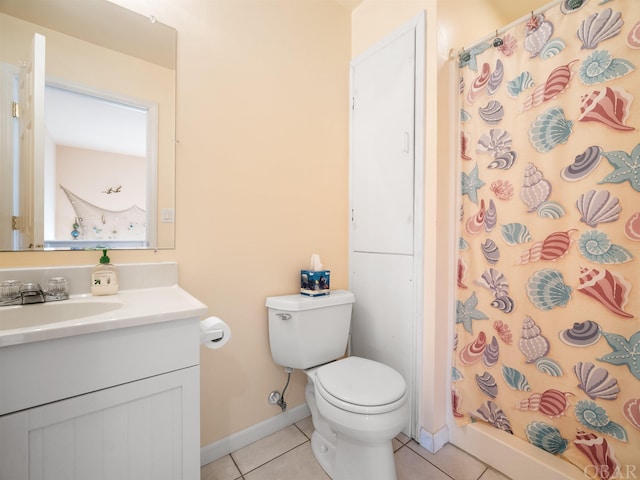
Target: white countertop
(139, 307)
(149, 293)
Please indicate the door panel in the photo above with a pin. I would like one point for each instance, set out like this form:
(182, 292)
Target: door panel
(382, 155)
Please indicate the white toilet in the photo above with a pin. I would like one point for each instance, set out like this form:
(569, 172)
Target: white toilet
(357, 405)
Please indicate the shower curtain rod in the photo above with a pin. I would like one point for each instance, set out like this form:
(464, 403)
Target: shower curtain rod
(500, 31)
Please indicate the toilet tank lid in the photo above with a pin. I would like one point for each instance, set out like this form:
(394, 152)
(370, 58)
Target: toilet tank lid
(299, 302)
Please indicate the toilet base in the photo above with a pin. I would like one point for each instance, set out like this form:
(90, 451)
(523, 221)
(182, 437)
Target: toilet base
(354, 459)
(324, 452)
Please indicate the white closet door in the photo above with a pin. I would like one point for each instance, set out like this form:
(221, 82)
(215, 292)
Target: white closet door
(382, 148)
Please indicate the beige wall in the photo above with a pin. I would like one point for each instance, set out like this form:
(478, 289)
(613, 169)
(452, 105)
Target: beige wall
(262, 173)
(262, 169)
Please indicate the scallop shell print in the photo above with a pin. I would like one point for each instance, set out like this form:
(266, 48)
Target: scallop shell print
(594, 417)
(598, 27)
(609, 106)
(550, 129)
(546, 437)
(556, 83)
(491, 413)
(552, 403)
(596, 247)
(535, 188)
(604, 463)
(515, 233)
(552, 248)
(631, 411)
(598, 206)
(608, 288)
(596, 381)
(515, 379)
(533, 344)
(546, 289)
(583, 164)
(522, 82)
(600, 66)
(581, 334)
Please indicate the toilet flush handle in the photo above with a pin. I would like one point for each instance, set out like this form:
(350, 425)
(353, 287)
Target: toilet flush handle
(284, 316)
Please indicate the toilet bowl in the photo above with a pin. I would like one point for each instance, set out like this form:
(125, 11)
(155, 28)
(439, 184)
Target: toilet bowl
(357, 406)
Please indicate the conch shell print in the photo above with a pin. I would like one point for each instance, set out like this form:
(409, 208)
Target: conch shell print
(535, 189)
(600, 454)
(609, 107)
(552, 248)
(533, 344)
(556, 83)
(552, 403)
(608, 288)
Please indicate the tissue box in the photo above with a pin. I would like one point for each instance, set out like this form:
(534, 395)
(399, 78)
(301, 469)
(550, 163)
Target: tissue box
(314, 283)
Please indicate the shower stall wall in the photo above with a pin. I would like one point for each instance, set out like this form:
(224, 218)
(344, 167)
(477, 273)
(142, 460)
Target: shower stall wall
(547, 327)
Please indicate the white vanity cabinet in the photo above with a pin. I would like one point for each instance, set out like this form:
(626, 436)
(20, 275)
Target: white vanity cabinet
(117, 404)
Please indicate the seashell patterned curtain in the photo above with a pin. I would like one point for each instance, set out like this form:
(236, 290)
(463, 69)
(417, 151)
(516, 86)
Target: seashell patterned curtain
(547, 342)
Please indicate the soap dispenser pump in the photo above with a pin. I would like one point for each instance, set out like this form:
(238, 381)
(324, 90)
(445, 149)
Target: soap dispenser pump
(104, 280)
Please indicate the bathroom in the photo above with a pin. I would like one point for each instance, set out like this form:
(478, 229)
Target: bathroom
(262, 174)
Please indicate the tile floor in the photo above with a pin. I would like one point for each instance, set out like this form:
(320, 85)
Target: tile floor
(286, 455)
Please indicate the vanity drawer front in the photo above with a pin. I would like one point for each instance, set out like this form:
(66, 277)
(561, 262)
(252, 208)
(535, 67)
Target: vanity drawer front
(41, 372)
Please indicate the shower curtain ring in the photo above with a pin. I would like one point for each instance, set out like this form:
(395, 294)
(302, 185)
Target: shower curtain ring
(497, 42)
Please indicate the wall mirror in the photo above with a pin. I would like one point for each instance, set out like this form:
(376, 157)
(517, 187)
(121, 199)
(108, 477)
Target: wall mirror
(87, 158)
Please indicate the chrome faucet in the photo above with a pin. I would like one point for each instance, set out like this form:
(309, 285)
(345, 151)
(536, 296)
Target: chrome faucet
(13, 292)
(31, 293)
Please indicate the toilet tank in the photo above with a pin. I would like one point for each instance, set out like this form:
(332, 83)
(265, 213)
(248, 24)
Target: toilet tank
(308, 331)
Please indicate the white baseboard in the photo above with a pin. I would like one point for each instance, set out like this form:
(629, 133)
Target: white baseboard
(434, 441)
(237, 440)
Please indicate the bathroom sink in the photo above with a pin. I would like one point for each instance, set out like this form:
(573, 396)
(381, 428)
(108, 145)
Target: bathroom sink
(35, 315)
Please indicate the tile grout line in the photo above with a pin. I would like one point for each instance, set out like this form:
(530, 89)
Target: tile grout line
(268, 461)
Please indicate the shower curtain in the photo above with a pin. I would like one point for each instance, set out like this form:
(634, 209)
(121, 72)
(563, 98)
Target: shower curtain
(547, 334)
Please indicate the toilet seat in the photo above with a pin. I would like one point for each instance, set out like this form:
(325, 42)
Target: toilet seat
(360, 385)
